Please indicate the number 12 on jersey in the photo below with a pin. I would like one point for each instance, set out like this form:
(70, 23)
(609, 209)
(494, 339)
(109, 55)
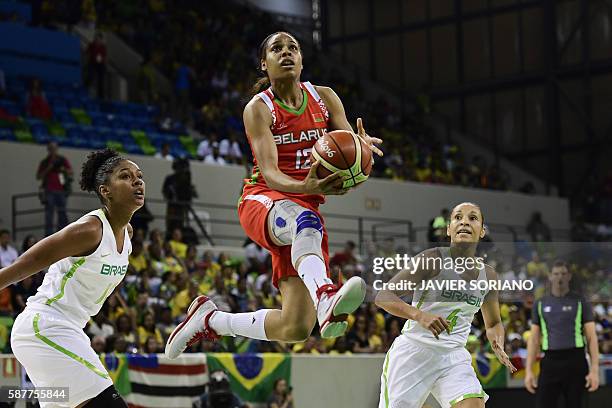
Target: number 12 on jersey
(305, 153)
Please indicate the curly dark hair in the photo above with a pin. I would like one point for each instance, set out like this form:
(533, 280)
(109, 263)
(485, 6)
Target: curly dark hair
(96, 170)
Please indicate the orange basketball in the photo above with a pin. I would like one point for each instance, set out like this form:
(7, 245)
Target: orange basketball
(344, 151)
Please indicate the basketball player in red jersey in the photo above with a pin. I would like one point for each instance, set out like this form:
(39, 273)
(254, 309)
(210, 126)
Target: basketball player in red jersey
(279, 209)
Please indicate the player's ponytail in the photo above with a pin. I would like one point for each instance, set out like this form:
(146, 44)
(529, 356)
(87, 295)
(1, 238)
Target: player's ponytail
(96, 169)
(260, 85)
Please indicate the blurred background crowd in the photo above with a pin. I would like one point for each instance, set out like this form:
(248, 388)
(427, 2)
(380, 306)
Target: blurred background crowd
(166, 274)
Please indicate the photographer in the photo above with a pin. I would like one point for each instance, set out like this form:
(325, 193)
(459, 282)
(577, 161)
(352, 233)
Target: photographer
(55, 174)
(178, 192)
(281, 395)
(219, 394)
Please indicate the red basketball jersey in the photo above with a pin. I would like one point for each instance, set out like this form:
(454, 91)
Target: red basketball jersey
(295, 132)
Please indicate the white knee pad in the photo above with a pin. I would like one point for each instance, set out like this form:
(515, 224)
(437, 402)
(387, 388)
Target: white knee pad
(291, 224)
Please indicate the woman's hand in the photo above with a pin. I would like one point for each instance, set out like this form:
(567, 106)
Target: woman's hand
(498, 348)
(434, 323)
(330, 185)
(369, 140)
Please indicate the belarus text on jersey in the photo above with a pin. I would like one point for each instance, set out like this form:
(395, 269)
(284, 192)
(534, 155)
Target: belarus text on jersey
(304, 136)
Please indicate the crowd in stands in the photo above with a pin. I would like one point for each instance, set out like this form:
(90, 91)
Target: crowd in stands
(166, 273)
(185, 39)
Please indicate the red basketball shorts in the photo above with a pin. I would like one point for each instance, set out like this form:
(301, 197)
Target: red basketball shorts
(253, 214)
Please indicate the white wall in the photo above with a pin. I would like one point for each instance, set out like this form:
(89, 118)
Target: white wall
(336, 381)
(399, 201)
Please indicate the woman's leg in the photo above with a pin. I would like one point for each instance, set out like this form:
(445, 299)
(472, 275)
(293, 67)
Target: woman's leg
(293, 323)
(296, 319)
(299, 255)
(470, 403)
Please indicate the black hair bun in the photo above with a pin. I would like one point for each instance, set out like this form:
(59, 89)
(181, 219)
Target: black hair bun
(91, 166)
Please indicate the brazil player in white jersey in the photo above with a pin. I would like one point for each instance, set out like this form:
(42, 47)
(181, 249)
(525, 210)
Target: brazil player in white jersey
(87, 260)
(430, 356)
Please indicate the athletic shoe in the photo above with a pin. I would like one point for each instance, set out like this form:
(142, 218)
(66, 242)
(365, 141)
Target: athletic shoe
(336, 303)
(193, 328)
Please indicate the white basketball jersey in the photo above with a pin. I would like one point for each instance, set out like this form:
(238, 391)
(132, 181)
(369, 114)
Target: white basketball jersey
(78, 286)
(457, 306)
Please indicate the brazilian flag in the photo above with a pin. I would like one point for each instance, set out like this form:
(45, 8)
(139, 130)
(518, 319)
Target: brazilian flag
(490, 372)
(117, 366)
(252, 376)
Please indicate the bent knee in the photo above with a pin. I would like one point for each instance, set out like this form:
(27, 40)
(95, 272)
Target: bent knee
(297, 332)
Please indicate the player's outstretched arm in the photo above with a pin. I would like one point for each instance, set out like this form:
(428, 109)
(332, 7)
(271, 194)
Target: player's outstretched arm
(77, 239)
(257, 122)
(390, 300)
(338, 120)
(493, 324)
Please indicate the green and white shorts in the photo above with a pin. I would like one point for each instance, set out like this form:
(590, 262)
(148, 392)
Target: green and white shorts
(56, 353)
(411, 372)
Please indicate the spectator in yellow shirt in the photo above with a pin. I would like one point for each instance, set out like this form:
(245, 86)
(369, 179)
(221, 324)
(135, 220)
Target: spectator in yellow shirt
(211, 266)
(176, 243)
(157, 260)
(174, 262)
(183, 298)
(138, 259)
(149, 329)
(537, 268)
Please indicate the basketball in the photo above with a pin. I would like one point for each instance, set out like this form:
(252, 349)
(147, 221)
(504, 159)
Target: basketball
(344, 151)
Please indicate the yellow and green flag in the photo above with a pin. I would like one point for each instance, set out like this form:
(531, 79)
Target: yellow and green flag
(490, 372)
(252, 376)
(117, 367)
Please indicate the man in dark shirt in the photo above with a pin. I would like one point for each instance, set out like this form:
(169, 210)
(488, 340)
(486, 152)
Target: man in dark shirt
(55, 174)
(560, 323)
(96, 52)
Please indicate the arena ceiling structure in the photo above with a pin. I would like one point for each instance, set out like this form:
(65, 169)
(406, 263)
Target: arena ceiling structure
(530, 79)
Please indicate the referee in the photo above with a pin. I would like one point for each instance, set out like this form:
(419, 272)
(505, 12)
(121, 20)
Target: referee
(559, 324)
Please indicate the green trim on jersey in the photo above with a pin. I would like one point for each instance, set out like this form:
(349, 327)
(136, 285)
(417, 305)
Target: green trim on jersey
(385, 371)
(291, 110)
(62, 350)
(422, 299)
(418, 306)
(254, 177)
(103, 296)
(481, 394)
(67, 276)
(578, 327)
(543, 326)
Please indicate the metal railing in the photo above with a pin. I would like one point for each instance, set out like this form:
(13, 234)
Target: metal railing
(504, 233)
(346, 227)
(226, 227)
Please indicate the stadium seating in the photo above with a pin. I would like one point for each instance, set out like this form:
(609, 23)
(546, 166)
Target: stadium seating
(84, 122)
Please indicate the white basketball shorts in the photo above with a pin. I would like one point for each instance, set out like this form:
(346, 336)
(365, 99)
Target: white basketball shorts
(412, 371)
(56, 353)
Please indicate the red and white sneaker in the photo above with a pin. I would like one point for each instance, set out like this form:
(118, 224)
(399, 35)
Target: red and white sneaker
(193, 328)
(336, 303)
